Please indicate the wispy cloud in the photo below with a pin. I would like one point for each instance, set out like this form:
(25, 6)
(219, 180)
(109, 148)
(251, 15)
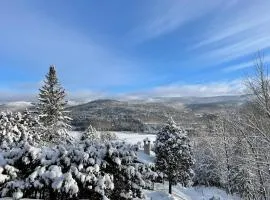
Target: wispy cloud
(244, 65)
(240, 30)
(167, 16)
(234, 87)
(184, 36)
(221, 88)
(83, 96)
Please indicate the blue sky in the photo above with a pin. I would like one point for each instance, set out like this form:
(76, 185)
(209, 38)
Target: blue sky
(131, 49)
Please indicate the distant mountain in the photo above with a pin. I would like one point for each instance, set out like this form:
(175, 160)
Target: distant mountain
(116, 115)
(141, 115)
(16, 106)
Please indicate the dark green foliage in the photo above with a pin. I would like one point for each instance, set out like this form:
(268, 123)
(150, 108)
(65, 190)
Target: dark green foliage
(173, 155)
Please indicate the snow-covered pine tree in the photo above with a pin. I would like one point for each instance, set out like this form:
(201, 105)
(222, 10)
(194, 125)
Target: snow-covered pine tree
(107, 136)
(51, 107)
(91, 134)
(16, 127)
(87, 170)
(173, 155)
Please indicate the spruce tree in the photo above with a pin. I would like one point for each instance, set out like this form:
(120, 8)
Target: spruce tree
(173, 155)
(91, 134)
(51, 106)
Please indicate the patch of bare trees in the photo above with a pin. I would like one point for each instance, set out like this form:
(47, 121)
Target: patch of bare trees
(237, 157)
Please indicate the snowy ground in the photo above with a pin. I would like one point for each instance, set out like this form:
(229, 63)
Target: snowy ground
(9, 198)
(134, 138)
(129, 137)
(157, 195)
(76, 134)
(193, 193)
(203, 193)
(145, 158)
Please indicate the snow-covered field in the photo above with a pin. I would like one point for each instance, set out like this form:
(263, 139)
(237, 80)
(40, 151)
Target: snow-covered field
(134, 138)
(129, 137)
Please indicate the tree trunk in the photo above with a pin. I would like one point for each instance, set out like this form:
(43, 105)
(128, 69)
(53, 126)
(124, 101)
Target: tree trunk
(170, 187)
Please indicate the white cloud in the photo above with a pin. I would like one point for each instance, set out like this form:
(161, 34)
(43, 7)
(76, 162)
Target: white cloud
(10, 96)
(83, 96)
(239, 30)
(167, 16)
(244, 65)
(234, 87)
(208, 89)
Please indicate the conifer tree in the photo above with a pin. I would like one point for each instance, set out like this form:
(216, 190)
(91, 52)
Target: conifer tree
(51, 106)
(173, 155)
(91, 134)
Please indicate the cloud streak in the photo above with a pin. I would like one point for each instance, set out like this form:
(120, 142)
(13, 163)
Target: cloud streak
(244, 65)
(176, 39)
(235, 87)
(238, 31)
(221, 88)
(168, 16)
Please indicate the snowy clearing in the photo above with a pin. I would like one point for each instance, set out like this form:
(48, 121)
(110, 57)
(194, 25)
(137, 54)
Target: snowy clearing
(76, 134)
(129, 137)
(202, 193)
(156, 195)
(134, 138)
(193, 193)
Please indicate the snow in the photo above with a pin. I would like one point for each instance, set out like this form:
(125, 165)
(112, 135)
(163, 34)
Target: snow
(145, 158)
(76, 134)
(161, 190)
(179, 192)
(17, 195)
(129, 137)
(202, 193)
(155, 195)
(192, 193)
(134, 138)
(8, 198)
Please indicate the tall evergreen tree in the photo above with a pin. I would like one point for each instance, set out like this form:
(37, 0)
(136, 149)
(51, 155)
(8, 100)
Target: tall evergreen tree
(173, 155)
(51, 106)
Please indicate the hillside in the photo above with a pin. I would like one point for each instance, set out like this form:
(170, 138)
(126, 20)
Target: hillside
(147, 115)
(120, 115)
(140, 115)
